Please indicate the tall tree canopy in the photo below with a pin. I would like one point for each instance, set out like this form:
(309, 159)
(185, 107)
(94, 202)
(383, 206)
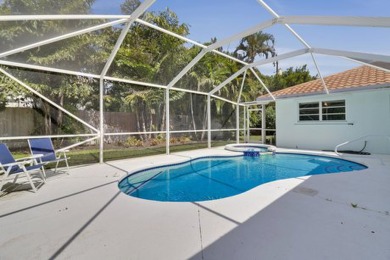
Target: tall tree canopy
(80, 52)
(257, 44)
(289, 77)
(146, 55)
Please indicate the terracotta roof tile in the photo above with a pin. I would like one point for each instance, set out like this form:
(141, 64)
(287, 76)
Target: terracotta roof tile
(360, 77)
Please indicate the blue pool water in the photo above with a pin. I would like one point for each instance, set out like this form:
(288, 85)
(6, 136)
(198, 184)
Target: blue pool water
(212, 178)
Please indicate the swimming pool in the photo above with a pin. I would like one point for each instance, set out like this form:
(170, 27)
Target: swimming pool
(210, 178)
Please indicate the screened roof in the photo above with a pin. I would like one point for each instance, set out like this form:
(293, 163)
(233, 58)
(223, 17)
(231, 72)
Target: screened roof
(329, 37)
(169, 59)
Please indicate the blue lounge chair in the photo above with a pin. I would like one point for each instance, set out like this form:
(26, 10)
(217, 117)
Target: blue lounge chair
(9, 166)
(44, 147)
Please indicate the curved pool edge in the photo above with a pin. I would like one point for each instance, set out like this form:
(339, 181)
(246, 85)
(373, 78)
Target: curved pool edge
(245, 146)
(345, 157)
(277, 151)
(162, 165)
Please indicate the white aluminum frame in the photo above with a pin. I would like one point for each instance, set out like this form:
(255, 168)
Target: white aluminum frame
(127, 20)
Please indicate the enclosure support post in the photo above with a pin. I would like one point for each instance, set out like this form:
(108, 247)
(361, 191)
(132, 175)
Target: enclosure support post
(248, 134)
(167, 123)
(209, 121)
(238, 109)
(136, 13)
(237, 123)
(263, 131)
(244, 124)
(101, 122)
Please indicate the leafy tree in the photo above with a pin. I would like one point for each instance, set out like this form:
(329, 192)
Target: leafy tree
(82, 52)
(290, 77)
(208, 73)
(150, 56)
(128, 6)
(258, 44)
(146, 55)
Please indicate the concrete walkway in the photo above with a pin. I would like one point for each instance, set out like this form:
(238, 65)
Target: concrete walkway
(83, 215)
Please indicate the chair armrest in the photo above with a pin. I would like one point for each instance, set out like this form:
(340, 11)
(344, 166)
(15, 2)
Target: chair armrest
(34, 156)
(21, 163)
(62, 151)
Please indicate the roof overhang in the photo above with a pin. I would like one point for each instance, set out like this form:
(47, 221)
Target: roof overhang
(318, 93)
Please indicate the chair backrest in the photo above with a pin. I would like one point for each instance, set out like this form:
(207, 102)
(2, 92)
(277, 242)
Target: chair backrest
(42, 146)
(6, 157)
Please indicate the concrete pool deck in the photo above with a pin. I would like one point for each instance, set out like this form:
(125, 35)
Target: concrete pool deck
(84, 216)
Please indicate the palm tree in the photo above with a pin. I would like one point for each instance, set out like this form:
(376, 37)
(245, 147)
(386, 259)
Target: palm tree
(258, 44)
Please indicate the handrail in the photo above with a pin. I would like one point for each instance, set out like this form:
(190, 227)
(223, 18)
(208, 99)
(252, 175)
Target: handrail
(359, 139)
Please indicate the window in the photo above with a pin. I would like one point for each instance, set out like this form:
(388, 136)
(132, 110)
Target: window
(333, 110)
(309, 111)
(322, 111)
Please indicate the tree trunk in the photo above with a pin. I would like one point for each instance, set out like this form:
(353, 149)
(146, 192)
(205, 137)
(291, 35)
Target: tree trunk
(137, 119)
(192, 115)
(60, 114)
(204, 123)
(47, 118)
(150, 125)
(163, 120)
(143, 121)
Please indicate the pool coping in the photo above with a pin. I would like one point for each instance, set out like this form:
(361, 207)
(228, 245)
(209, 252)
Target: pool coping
(275, 152)
(83, 215)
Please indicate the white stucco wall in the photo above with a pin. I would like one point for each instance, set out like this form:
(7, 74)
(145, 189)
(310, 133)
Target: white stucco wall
(367, 113)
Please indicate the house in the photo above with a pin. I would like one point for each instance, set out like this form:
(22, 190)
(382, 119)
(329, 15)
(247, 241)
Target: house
(357, 107)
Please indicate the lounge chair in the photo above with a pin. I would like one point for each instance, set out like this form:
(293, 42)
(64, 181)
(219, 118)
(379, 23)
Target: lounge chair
(9, 166)
(44, 146)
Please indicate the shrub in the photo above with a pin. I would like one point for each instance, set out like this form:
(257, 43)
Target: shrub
(173, 140)
(158, 140)
(184, 139)
(133, 142)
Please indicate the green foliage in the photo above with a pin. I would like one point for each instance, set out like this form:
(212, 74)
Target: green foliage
(78, 52)
(8, 88)
(257, 44)
(180, 140)
(46, 6)
(173, 140)
(184, 139)
(158, 140)
(129, 6)
(146, 55)
(270, 116)
(133, 142)
(288, 78)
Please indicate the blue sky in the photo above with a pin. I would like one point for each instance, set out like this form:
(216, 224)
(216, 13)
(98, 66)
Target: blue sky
(223, 18)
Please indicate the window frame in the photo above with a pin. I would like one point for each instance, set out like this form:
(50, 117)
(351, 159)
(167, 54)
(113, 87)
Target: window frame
(320, 113)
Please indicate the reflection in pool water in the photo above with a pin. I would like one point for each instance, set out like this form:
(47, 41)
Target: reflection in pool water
(212, 178)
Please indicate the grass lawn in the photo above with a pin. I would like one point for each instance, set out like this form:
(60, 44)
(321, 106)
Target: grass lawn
(91, 155)
(88, 155)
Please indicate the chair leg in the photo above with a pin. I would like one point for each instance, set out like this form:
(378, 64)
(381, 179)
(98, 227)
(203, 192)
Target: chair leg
(31, 183)
(16, 178)
(67, 165)
(43, 173)
(3, 180)
(55, 171)
(43, 168)
(29, 179)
